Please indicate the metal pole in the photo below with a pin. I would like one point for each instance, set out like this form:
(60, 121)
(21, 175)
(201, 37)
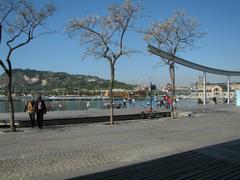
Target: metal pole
(150, 96)
(228, 90)
(204, 89)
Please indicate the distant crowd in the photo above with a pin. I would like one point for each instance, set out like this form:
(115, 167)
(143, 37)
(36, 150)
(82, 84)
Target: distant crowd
(166, 102)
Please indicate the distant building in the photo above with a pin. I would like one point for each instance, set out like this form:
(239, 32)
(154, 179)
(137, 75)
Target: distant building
(142, 88)
(118, 93)
(179, 90)
(91, 80)
(218, 90)
(139, 92)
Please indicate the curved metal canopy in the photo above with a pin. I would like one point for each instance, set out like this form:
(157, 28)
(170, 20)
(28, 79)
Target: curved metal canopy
(189, 64)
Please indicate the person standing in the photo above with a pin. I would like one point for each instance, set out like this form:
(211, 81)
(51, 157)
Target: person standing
(133, 102)
(29, 107)
(130, 102)
(40, 109)
(124, 103)
(88, 104)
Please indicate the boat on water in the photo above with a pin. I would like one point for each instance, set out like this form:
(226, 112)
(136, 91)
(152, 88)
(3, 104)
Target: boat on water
(74, 98)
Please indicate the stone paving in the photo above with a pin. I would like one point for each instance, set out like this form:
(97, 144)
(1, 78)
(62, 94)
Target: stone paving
(60, 152)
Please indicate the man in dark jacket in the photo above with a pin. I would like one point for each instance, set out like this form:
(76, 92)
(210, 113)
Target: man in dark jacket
(40, 109)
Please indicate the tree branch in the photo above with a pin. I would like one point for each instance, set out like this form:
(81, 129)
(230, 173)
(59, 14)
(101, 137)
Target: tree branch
(121, 39)
(29, 38)
(14, 38)
(3, 66)
(7, 13)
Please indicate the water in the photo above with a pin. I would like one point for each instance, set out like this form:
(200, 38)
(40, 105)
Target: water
(95, 104)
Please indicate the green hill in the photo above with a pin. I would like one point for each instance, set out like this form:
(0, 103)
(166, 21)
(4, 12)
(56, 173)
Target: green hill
(32, 80)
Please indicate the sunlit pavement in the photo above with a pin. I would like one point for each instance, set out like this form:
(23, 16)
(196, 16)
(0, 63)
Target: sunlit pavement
(60, 152)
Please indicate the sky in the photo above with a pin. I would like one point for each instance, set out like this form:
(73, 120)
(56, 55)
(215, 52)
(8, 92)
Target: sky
(219, 48)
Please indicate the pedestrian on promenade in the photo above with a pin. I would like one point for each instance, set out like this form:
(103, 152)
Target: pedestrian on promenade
(29, 107)
(60, 107)
(88, 104)
(199, 101)
(155, 99)
(40, 109)
(170, 102)
(124, 103)
(130, 102)
(161, 102)
(214, 100)
(133, 102)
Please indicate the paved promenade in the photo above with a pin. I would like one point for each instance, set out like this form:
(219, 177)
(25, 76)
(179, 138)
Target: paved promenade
(78, 117)
(72, 151)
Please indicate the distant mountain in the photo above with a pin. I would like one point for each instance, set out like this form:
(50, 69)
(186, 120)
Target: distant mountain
(33, 80)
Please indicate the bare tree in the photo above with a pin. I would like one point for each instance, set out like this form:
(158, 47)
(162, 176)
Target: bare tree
(19, 20)
(174, 35)
(103, 36)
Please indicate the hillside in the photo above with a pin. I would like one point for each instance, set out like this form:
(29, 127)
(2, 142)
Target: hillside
(33, 80)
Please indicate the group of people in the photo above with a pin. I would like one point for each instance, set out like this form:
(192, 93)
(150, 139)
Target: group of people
(54, 107)
(131, 102)
(37, 107)
(166, 102)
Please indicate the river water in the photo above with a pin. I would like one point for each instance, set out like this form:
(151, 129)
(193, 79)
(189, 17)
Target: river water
(94, 104)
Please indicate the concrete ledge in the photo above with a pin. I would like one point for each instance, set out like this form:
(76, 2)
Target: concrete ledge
(79, 117)
(183, 114)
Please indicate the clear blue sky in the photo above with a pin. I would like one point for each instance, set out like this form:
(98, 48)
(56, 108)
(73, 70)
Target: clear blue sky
(220, 48)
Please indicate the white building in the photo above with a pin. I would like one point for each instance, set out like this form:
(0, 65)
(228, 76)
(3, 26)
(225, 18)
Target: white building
(218, 90)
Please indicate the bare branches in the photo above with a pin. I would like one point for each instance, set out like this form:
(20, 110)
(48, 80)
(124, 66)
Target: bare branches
(3, 66)
(19, 20)
(22, 23)
(0, 33)
(176, 33)
(96, 41)
(103, 37)
(27, 20)
(6, 8)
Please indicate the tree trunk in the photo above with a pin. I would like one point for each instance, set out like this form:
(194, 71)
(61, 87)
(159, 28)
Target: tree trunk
(10, 101)
(111, 94)
(172, 76)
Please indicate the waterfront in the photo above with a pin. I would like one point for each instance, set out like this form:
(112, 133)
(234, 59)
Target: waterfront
(94, 104)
